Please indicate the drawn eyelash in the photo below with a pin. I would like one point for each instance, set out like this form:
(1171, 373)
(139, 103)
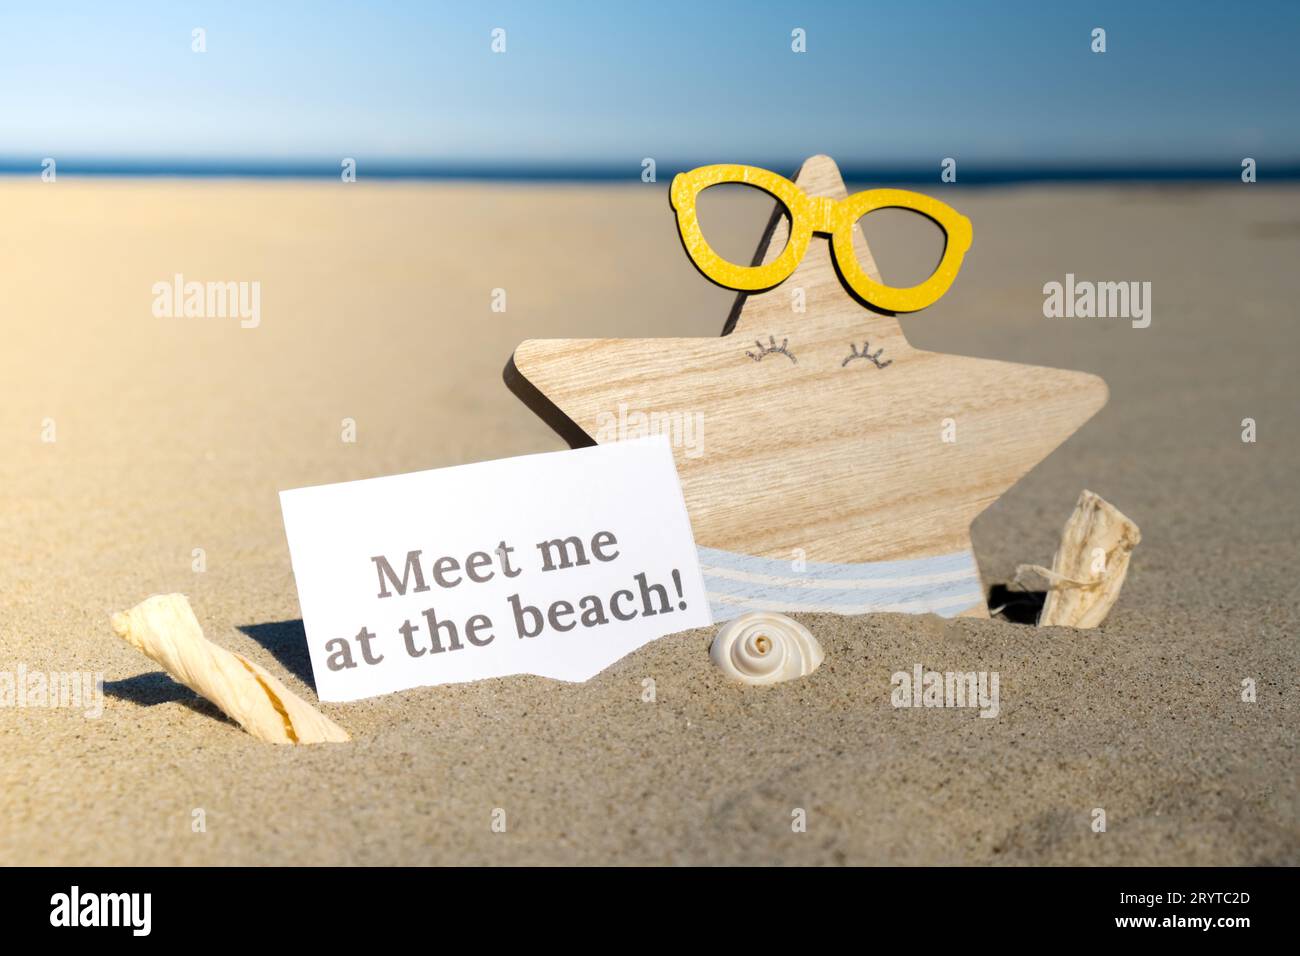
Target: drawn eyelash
(772, 349)
(864, 354)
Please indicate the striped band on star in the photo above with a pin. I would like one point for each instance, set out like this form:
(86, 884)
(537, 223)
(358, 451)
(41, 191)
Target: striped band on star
(945, 584)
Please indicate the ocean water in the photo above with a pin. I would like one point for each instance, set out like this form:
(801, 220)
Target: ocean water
(969, 174)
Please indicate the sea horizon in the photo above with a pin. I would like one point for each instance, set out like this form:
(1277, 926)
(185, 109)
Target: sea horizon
(968, 174)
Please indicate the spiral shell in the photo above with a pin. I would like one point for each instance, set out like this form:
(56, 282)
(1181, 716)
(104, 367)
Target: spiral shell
(763, 647)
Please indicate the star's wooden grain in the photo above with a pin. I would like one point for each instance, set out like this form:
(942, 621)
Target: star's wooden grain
(841, 463)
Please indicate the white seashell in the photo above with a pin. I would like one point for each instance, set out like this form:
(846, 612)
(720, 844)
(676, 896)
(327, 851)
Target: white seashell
(763, 647)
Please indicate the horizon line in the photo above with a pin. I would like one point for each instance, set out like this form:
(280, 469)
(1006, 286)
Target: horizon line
(969, 173)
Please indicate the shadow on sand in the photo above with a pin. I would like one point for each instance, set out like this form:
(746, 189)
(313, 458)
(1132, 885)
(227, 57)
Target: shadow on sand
(287, 642)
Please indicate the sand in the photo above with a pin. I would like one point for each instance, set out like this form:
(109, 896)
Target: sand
(177, 434)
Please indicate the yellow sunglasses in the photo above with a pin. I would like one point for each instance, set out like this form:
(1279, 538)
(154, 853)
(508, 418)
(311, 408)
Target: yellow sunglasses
(809, 214)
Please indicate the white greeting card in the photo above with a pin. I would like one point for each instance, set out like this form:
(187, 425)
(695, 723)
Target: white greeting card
(555, 564)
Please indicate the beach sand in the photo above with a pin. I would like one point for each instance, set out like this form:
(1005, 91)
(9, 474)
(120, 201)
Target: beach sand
(177, 434)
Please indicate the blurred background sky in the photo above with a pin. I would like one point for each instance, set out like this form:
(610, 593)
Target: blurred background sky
(889, 84)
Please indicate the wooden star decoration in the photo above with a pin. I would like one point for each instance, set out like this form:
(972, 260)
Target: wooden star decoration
(827, 465)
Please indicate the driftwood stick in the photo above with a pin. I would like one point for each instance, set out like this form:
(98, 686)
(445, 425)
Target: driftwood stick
(1090, 565)
(165, 629)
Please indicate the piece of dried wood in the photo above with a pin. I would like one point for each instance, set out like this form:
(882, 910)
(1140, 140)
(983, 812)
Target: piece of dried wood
(1090, 565)
(165, 629)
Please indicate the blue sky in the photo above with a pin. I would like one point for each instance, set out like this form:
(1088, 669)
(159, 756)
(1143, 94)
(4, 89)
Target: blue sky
(605, 82)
